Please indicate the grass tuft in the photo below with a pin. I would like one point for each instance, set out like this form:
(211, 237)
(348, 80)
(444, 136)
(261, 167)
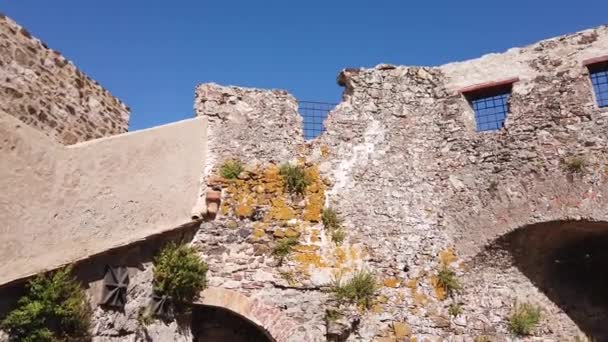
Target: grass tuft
(359, 289)
(283, 248)
(575, 165)
(446, 279)
(295, 178)
(523, 319)
(231, 169)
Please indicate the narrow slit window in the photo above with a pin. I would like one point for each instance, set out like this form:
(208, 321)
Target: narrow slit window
(490, 102)
(599, 78)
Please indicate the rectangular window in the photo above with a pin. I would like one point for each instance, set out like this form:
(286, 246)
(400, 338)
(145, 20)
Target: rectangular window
(491, 111)
(490, 102)
(599, 79)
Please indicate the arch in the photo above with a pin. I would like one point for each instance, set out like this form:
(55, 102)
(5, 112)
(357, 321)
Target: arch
(274, 324)
(565, 259)
(528, 202)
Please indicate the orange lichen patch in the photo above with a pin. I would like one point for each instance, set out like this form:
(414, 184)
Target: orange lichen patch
(244, 210)
(419, 298)
(307, 260)
(412, 283)
(391, 282)
(377, 308)
(291, 233)
(447, 257)
(305, 248)
(272, 180)
(340, 255)
(280, 210)
(440, 291)
(279, 233)
(314, 235)
(315, 195)
(258, 233)
(324, 149)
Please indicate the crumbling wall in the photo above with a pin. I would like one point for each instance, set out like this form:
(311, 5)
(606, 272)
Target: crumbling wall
(43, 89)
(422, 189)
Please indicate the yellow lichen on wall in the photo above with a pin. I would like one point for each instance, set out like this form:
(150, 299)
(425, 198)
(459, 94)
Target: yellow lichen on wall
(391, 282)
(315, 195)
(447, 257)
(440, 291)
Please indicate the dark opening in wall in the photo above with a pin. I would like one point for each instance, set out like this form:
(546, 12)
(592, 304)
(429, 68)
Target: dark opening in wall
(216, 324)
(568, 262)
(490, 102)
(598, 73)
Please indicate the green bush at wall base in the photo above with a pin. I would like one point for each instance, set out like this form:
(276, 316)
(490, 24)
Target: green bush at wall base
(54, 308)
(179, 273)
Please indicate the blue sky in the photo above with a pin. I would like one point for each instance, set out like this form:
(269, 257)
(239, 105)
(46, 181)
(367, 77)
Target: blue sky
(152, 54)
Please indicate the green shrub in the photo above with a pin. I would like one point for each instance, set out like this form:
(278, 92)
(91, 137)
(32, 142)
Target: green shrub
(330, 219)
(179, 273)
(283, 248)
(231, 169)
(575, 165)
(523, 319)
(54, 308)
(359, 289)
(294, 177)
(455, 309)
(338, 236)
(446, 279)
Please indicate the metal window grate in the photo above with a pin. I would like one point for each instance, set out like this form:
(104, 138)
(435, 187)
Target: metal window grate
(314, 113)
(599, 79)
(491, 110)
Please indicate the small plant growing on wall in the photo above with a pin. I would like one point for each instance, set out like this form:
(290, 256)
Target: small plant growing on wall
(231, 169)
(54, 308)
(180, 274)
(575, 165)
(455, 309)
(294, 177)
(333, 223)
(524, 318)
(283, 247)
(446, 279)
(359, 289)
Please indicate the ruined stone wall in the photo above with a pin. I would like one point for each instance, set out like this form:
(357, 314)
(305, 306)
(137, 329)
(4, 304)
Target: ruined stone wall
(43, 89)
(417, 184)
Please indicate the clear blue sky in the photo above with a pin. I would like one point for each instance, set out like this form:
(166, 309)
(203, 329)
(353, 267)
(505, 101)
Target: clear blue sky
(151, 54)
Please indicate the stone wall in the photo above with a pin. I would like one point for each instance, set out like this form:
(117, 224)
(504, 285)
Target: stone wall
(43, 89)
(417, 184)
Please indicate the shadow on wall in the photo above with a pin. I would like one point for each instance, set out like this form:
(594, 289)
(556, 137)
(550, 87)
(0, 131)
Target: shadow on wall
(568, 261)
(216, 324)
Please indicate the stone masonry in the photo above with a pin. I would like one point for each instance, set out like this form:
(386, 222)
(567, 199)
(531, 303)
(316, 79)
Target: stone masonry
(43, 89)
(519, 215)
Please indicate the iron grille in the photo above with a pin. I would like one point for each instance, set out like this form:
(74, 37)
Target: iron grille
(314, 113)
(491, 111)
(599, 78)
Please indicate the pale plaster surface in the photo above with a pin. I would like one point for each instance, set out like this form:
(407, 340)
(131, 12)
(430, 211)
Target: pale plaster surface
(61, 204)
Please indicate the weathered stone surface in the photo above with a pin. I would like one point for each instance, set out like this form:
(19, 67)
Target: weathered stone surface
(46, 91)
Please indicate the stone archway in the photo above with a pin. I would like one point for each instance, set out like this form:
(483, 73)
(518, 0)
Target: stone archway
(227, 310)
(568, 261)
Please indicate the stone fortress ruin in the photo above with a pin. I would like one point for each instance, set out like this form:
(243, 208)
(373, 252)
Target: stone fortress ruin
(494, 170)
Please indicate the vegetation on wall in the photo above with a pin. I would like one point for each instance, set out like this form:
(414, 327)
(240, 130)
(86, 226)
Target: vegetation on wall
(294, 177)
(359, 289)
(231, 169)
(179, 273)
(446, 279)
(54, 308)
(524, 318)
(575, 165)
(283, 248)
(333, 223)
